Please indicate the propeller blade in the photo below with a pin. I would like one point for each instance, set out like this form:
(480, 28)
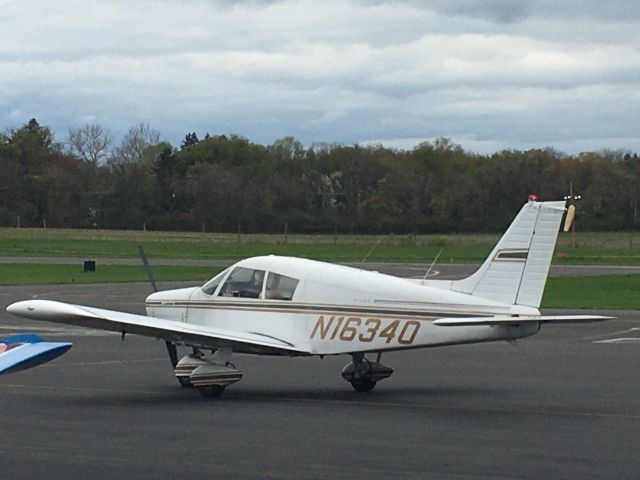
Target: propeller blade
(147, 267)
(171, 348)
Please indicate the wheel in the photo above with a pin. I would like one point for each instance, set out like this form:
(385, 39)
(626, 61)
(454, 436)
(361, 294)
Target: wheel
(211, 391)
(185, 382)
(363, 384)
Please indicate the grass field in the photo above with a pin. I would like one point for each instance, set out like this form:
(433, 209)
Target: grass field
(605, 292)
(568, 292)
(617, 292)
(592, 248)
(32, 274)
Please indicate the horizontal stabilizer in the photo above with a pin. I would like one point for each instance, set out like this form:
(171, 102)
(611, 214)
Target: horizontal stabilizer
(508, 320)
(21, 352)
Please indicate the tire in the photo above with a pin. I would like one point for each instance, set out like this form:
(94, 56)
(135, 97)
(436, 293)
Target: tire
(363, 384)
(185, 382)
(211, 391)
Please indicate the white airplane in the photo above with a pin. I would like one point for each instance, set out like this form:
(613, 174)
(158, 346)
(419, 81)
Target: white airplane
(274, 305)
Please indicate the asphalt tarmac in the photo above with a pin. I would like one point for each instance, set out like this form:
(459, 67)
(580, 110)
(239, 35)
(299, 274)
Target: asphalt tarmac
(562, 404)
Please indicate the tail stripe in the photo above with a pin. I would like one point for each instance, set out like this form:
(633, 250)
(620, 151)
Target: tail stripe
(512, 255)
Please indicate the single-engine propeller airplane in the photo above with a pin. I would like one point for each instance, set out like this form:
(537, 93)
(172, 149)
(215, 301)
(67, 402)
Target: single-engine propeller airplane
(273, 305)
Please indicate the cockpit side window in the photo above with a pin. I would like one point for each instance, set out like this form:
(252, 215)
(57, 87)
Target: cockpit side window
(280, 287)
(210, 287)
(243, 282)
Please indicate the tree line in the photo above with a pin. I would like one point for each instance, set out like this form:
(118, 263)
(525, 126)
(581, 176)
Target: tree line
(226, 183)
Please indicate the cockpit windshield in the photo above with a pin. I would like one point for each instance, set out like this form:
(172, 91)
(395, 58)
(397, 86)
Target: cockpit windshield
(210, 287)
(250, 283)
(243, 282)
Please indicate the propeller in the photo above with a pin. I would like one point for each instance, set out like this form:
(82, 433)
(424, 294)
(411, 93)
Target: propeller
(171, 348)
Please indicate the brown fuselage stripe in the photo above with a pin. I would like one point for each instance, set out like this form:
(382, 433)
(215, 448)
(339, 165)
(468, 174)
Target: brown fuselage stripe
(319, 309)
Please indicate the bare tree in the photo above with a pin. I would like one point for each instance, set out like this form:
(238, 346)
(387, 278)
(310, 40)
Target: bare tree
(134, 143)
(90, 143)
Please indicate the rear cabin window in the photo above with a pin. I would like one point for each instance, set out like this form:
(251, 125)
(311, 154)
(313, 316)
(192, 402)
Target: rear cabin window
(280, 287)
(243, 282)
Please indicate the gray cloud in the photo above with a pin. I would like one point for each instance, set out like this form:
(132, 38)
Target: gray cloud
(494, 74)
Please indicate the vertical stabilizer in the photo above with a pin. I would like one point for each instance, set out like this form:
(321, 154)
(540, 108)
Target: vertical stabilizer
(517, 269)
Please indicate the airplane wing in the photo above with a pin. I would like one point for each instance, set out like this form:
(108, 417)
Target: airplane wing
(178, 332)
(24, 351)
(508, 320)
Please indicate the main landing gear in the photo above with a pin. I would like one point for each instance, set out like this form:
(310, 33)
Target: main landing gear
(363, 374)
(210, 375)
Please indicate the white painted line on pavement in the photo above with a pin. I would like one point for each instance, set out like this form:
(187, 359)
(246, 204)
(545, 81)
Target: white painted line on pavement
(620, 340)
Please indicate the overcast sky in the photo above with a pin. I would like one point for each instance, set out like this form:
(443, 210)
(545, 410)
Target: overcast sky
(488, 74)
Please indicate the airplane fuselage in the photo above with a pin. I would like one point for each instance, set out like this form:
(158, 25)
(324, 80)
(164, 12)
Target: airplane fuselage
(337, 309)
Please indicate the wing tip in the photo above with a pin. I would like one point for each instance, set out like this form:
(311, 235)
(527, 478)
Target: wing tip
(46, 309)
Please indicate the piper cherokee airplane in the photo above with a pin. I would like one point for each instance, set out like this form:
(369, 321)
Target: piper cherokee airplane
(273, 305)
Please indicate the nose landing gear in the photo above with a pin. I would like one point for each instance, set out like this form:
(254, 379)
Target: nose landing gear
(210, 375)
(363, 374)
